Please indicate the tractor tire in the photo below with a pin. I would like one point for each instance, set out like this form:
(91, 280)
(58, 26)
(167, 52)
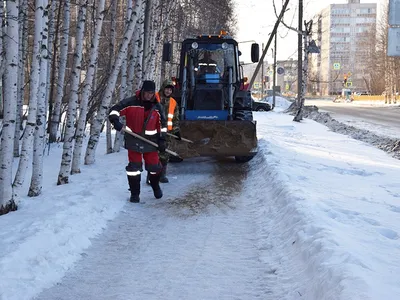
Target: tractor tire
(244, 115)
(243, 159)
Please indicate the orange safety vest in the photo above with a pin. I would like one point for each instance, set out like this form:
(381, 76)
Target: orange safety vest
(171, 110)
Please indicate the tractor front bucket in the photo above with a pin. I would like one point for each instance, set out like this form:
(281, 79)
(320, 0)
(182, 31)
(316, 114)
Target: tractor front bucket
(217, 138)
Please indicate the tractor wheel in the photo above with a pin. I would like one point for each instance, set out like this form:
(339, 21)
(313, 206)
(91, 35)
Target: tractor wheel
(243, 115)
(243, 159)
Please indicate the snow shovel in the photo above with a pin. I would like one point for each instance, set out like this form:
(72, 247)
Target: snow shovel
(129, 131)
(183, 139)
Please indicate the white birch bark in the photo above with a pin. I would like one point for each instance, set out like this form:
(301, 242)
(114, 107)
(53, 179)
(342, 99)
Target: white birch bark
(28, 138)
(124, 67)
(65, 168)
(35, 188)
(23, 43)
(53, 50)
(10, 80)
(139, 51)
(132, 63)
(113, 37)
(146, 37)
(132, 57)
(103, 108)
(55, 117)
(2, 61)
(87, 89)
(52, 35)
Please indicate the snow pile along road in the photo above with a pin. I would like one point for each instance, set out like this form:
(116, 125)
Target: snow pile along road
(332, 223)
(387, 144)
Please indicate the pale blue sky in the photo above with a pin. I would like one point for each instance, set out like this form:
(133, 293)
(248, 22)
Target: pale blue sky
(256, 19)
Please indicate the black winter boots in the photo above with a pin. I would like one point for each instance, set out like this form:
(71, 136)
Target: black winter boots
(154, 182)
(148, 178)
(134, 186)
(163, 175)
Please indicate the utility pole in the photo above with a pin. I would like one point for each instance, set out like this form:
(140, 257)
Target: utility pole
(262, 74)
(300, 54)
(274, 75)
(269, 42)
(309, 47)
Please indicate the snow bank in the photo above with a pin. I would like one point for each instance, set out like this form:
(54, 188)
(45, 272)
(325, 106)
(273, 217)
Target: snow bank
(51, 230)
(331, 215)
(301, 266)
(388, 144)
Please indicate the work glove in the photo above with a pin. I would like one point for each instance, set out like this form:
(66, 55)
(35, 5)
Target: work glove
(178, 135)
(162, 145)
(114, 120)
(118, 125)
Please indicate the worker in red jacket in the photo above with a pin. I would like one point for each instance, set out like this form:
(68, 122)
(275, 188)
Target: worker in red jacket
(146, 117)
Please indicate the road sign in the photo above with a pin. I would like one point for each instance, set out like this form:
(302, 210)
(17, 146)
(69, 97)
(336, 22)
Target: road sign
(312, 47)
(349, 83)
(336, 66)
(393, 48)
(280, 70)
(394, 12)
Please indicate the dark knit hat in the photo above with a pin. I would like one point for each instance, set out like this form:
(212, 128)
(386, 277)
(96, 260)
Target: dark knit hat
(149, 86)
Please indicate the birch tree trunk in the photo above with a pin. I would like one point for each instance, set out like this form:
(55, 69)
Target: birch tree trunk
(113, 37)
(146, 37)
(101, 113)
(132, 58)
(124, 78)
(10, 98)
(2, 61)
(56, 112)
(87, 89)
(23, 43)
(28, 138)
(139, 51)
(55, 32)
(54, 22)
(66, 159)
(40, 133)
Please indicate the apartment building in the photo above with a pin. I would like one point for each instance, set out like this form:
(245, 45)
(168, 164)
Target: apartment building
(287, 77)
(344, 33)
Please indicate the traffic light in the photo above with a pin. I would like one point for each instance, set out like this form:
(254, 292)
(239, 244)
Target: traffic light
(345, 80)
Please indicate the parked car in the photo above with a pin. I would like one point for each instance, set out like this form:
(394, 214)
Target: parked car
(362, 93)
(261, 104)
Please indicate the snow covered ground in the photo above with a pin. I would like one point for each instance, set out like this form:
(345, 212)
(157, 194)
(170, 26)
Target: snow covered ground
(315, 215)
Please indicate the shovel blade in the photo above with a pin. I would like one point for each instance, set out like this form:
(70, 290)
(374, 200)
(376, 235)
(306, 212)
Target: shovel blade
(216, 138)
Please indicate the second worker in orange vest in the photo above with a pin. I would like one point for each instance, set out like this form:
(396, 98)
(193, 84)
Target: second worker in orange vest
(171, 110)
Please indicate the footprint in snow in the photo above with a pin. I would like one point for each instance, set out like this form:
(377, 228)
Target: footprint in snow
(388, 233)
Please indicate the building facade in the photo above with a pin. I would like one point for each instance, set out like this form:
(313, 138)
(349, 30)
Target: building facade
(344, 34)
(286, 77)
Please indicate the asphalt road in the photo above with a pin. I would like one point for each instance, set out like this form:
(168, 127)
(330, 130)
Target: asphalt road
(380, 115)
